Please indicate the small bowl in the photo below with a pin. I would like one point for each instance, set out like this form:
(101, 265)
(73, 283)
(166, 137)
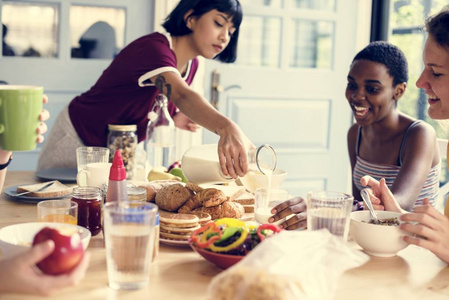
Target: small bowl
(377, 240)
(18, 238)
(223, 261)
(252, 180)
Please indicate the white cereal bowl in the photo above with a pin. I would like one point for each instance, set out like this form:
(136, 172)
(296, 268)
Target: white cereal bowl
(377, 240)
(18, 238)
(253, 180)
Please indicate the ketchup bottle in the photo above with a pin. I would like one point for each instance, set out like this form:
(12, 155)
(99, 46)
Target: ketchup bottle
(117, 180)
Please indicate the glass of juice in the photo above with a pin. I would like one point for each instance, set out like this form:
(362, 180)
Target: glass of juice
(60, 211)
(89, 200)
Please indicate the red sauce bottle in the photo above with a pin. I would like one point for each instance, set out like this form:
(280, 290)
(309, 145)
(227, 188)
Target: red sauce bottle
(117, 180)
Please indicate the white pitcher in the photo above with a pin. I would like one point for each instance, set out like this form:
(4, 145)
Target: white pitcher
(200, 164)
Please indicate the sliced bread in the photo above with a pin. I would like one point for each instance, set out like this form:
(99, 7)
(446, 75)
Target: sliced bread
(245, 199)
(57, 189)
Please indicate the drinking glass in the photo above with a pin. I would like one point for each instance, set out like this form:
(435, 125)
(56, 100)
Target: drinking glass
(87, 155)
(331, 210)
(129, 240)
(265, 200)
(59, 211)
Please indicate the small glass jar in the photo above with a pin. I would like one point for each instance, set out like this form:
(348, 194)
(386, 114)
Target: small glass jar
(123, 137)
(89, 201)
(138, 194)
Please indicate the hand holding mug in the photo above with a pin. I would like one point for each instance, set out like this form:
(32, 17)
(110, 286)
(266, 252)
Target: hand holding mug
(22, 117)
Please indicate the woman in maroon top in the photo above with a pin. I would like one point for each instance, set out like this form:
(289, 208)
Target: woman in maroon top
(125, 92)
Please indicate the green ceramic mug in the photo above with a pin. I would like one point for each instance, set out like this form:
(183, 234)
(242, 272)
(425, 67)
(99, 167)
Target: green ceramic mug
(20, 106)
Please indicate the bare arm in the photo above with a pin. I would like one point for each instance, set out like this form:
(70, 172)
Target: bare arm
(421, 153)
(233, 145)
(352, 139)
(421, 147)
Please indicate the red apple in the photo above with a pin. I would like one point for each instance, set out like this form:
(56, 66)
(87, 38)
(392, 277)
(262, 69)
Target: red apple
(68, 250)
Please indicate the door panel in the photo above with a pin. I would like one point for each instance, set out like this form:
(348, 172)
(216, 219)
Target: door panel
(62, 76)
(292, 66)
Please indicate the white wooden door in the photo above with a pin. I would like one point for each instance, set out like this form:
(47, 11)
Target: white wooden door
(287, 87)
(62, 76)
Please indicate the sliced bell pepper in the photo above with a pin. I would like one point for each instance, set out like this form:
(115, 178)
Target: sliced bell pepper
(206, 235)
(228, 232)
(230, 222)
(271, 227)
(235, 244)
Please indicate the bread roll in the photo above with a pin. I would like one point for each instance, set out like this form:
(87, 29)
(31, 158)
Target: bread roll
(206, 198)
(226, 210)
(153, 187)
(172, 197)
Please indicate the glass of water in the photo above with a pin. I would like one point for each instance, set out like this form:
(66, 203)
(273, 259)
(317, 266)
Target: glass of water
(329, 210)
(129, 240)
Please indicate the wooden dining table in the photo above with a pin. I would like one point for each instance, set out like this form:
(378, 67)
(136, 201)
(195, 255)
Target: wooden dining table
(180, 273)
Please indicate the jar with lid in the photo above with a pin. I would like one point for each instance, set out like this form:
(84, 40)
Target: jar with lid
(89, 201)
(123, 138)
(138, 194)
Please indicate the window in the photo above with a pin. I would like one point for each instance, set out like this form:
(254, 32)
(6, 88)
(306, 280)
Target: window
(30, 29)
(96, 32)
(288, 34)
(405, 27)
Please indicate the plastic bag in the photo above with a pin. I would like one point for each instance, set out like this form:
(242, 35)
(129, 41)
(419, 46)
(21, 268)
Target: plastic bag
(288, 265)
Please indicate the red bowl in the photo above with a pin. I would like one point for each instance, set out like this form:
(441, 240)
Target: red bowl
(223, 261)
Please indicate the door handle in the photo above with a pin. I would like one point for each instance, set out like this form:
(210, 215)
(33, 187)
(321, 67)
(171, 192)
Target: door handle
(216, 89)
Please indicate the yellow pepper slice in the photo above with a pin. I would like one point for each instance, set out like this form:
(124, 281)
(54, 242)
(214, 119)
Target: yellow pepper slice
(230, 222)
(237, 243)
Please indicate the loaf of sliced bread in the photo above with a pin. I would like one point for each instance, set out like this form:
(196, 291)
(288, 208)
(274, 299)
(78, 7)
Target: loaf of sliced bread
(245, 199)
(57, 189)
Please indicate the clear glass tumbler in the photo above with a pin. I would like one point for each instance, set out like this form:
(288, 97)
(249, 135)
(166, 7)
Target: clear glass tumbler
(129, 240)
(331, 210)
(87, 155)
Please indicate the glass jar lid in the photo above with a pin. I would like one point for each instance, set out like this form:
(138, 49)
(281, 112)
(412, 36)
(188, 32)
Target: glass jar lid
(115, 127)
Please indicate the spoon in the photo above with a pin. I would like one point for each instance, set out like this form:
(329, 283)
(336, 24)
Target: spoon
(366, 199)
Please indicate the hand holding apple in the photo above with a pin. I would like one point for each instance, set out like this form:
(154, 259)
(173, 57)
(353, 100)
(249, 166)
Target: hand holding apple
(19, 274)
(67, 254)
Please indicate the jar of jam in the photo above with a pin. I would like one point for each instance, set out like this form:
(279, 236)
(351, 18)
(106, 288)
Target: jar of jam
(89, 201)
(123, 138)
